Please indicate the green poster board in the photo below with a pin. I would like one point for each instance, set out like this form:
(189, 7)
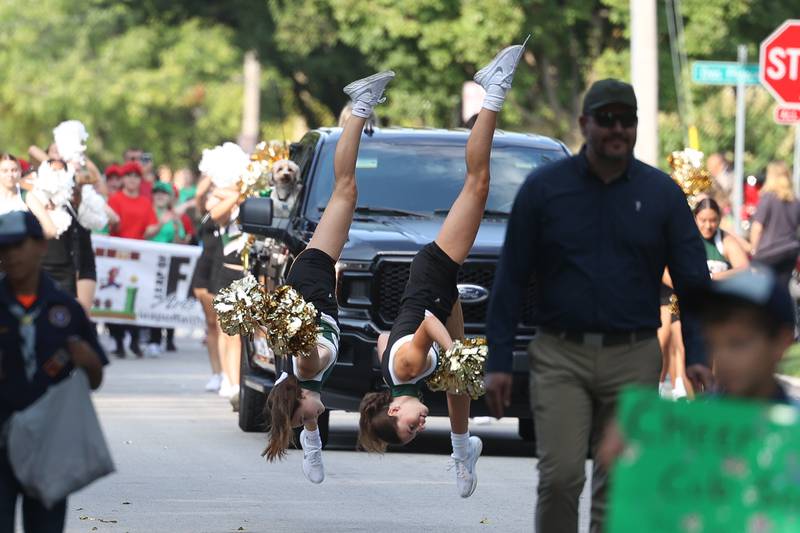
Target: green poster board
(706, 466)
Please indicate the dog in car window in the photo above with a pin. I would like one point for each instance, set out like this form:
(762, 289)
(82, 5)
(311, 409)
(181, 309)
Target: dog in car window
(285, 187)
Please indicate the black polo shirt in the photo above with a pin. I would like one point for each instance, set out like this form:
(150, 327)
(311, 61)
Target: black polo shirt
(56, 316)
(596, 252)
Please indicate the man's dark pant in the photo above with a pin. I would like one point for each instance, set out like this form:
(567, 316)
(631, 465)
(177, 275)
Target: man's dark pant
(574, 391)
(117, 332)
(35, 518)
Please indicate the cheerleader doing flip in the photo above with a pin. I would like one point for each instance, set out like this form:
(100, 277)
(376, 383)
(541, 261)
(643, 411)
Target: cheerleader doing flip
(430, 314)
(295, 399)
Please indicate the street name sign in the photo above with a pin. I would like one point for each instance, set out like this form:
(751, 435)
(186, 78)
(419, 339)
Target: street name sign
(723, 73)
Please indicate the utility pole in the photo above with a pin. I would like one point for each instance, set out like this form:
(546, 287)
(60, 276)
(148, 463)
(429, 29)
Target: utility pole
(738, 152)
(251, 102)
(644, 76)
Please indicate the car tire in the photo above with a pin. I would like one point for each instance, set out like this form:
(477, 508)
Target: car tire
(252, 415)
(323, 423)
(526, 429)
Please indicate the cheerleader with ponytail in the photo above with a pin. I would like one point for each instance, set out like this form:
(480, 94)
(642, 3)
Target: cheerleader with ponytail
(295, 401)
(425, 343)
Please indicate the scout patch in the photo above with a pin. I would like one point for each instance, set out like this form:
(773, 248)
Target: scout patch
(59, 316)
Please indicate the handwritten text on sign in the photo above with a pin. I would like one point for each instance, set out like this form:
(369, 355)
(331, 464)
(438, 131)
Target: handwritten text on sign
(707, 466)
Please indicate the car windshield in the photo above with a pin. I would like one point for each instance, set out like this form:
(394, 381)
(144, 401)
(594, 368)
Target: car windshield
(411, 179)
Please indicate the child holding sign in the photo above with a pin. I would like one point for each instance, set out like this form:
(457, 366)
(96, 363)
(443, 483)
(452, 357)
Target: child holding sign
(748, 324)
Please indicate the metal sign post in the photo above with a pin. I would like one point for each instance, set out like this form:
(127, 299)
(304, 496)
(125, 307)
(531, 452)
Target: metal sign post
(738, 156)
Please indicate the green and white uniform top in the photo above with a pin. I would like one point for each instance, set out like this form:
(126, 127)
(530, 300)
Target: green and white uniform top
(410, 387)
(715, 254)
(328, 334)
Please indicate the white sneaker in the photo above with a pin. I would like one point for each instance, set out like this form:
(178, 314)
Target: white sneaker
(466, 478)
(500, 71)
(153, 350)
(665, 390)
(370, 89)
(225, 387)
(679, 390)
(312, 459)
(214, 383)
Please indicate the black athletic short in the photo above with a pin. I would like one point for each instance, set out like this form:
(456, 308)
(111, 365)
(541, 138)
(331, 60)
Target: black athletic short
(313, 275)
(86, 264)
(204, 268)
(432, 286)
(222, 276)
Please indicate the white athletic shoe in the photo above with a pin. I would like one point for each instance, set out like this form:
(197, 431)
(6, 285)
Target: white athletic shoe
(500, 71)
(225, 387)
(153, 350)
(466, 477)
(370, 89)
(214, 383)
(312, 459)
(679, 390)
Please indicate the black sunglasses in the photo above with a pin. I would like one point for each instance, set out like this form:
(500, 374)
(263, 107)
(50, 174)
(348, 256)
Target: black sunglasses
(607, 119)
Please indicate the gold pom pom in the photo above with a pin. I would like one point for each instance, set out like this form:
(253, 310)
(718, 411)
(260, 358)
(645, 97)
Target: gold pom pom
(461, 369)
(688, 172)
(291, 322)
(240, 306)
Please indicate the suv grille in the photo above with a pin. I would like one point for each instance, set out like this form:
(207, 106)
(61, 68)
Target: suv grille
(391, 277)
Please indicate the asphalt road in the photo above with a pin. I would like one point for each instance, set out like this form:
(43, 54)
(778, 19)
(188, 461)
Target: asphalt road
(183, 465)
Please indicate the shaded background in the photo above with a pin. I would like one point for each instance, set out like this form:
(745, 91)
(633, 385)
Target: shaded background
(166, 75)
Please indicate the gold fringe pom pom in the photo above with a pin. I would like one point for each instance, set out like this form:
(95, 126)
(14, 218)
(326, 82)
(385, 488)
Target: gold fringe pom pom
(240, 306)
(688, 172)
(291, 322)
(461, 369)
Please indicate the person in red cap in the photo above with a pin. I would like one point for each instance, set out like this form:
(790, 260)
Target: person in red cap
(137, 220)
(113, 179)
(137, 216)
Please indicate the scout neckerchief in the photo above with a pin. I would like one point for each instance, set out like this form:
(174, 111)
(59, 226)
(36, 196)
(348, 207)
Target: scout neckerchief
(27, 332)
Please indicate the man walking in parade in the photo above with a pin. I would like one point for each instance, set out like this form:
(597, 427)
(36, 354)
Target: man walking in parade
(595, 231)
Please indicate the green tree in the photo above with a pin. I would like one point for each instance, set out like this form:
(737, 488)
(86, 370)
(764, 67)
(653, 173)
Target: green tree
(171, 90)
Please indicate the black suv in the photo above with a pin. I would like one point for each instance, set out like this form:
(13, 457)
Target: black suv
(407, 180)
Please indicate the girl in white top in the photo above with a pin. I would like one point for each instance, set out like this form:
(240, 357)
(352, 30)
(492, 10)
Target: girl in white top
(11, 195)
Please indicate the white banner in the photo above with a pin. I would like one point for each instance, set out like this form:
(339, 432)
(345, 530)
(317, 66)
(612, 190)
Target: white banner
(145, 283)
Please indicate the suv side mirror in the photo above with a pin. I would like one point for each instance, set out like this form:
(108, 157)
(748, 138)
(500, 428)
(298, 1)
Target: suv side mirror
(255, 216)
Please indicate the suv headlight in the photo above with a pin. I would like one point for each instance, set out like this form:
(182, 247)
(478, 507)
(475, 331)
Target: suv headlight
(353, 283)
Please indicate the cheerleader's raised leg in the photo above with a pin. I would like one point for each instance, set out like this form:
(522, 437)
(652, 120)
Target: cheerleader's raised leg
(295, 399)
(429, 319)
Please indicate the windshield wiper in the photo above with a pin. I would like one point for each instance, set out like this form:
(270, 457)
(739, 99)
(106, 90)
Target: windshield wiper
(486, 213)
(386, 211)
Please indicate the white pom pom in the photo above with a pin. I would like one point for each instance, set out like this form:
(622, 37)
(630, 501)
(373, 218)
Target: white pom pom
(92, 211)
(224, 164)
(70, 137)
(61, 219)
(53, 186)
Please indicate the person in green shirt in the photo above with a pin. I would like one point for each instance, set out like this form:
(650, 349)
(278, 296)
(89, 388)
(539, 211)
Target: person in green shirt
(724, 255)
(171, 230)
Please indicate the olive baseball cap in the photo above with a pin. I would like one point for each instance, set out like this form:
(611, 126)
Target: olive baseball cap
(608, 91)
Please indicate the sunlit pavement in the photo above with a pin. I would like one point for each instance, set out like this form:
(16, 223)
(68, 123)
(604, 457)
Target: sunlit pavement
(184, 466)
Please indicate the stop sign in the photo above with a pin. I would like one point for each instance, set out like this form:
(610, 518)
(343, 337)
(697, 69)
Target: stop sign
(779, 63)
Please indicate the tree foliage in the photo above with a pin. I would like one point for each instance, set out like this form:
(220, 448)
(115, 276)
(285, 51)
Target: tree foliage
(166, 74)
